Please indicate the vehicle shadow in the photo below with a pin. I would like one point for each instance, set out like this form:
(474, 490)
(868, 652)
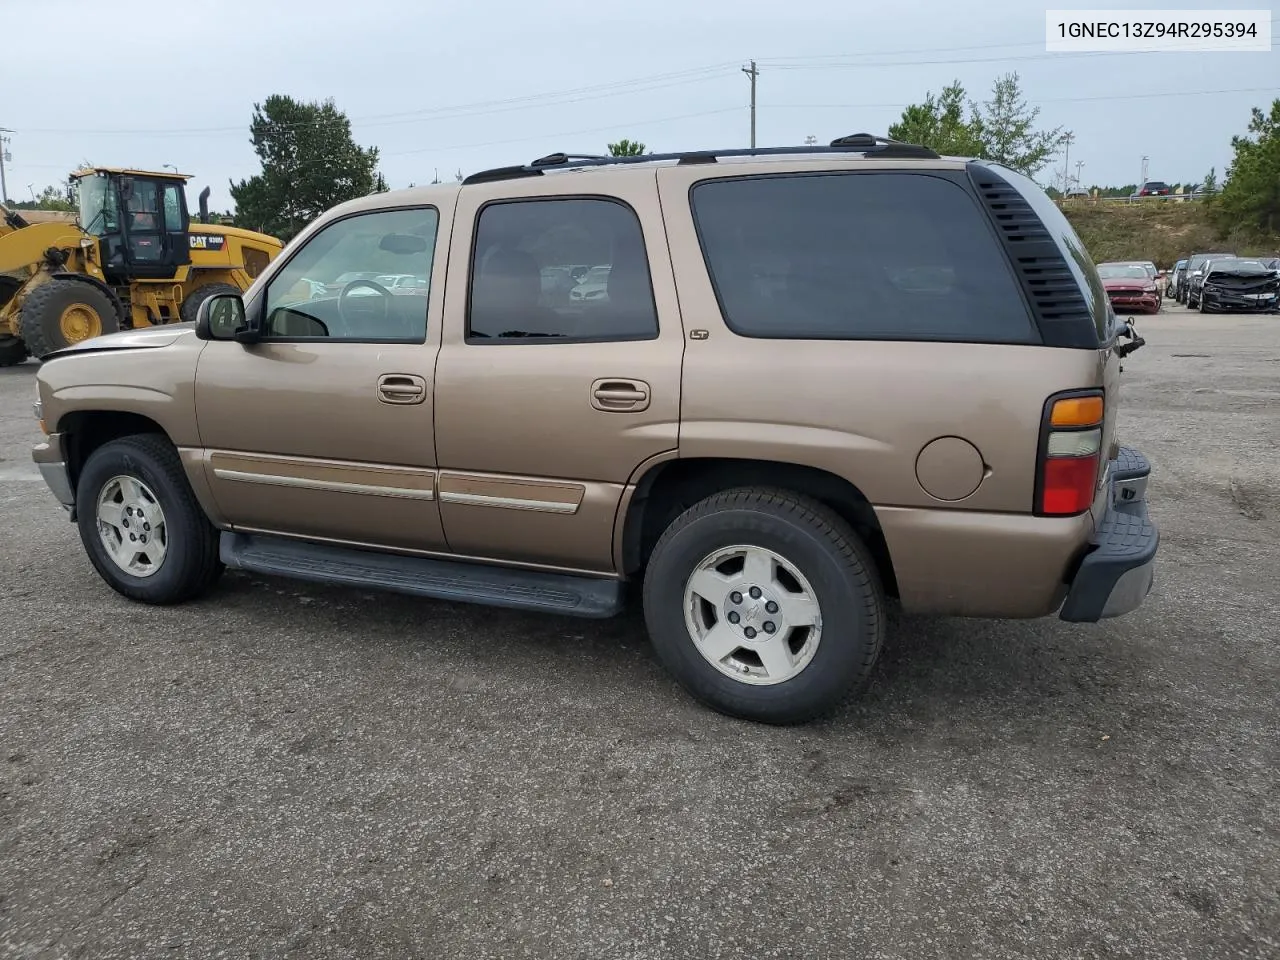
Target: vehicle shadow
(930, 668)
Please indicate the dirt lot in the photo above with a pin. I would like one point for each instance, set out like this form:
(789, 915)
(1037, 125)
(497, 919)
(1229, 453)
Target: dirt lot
(287, 771)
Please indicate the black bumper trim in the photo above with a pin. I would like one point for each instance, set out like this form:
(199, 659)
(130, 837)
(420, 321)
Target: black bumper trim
(1116, 575)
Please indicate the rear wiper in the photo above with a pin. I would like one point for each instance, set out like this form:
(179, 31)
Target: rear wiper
(527, 333)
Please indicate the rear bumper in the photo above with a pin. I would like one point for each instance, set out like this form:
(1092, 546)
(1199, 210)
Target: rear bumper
(1116, 574)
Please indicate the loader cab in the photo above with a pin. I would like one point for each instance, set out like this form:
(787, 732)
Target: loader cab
(140, 219)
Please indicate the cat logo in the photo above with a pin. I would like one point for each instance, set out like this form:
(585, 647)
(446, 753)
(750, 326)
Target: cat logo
(207, 241)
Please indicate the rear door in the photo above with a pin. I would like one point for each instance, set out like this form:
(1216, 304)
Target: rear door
(547, 404)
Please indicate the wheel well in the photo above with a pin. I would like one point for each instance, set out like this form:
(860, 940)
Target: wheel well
(670, 488)
(84, 432)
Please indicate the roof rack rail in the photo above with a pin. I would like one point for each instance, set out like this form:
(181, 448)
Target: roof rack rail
(853, 143)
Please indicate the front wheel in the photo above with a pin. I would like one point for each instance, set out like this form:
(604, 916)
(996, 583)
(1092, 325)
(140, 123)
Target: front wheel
(764, 605)
(141, 525)
(191, 302)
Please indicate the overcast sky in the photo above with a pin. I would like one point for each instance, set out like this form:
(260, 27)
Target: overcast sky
(451, 86)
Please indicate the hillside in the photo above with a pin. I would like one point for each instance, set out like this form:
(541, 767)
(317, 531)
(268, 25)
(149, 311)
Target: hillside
(1160, 231)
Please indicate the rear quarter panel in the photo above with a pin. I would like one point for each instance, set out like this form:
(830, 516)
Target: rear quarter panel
(864, 410)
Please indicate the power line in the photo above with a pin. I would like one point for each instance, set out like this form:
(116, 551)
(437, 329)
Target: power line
(634, 85)
(1127, 96)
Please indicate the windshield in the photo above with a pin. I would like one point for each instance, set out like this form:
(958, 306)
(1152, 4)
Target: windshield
(1118, 271)
(97, 205)
(1198, 260)
(1237, 266)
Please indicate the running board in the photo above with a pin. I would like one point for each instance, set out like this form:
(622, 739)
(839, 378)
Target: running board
(454, 580)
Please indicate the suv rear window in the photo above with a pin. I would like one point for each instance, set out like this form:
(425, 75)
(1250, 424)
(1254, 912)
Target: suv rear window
(877, 256)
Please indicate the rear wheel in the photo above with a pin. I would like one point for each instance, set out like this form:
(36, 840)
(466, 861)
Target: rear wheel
(191, 302)
(141, 525)
(62, 313)
(764, 605)
(12, 351)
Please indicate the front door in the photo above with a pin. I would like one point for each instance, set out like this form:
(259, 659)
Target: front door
(551, 391)
(153, 233)
(324, 429)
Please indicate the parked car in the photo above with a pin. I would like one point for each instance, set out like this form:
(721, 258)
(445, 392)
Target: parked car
(1154, 188)
(1194, 274)
(1238, 285)
(1130, 286)
(1174, 279)
(594, 284)
(772, 426)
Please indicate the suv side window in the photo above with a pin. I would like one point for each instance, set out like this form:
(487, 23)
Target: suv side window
(340, 283)
(569, 269)
(857, 256)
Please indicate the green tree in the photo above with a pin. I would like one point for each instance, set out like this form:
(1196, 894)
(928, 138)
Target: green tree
(1250, 194)
(50, 198)
(626, 148)
(310, 162)
(1002, 128)
(1006, 126)
(939, 123)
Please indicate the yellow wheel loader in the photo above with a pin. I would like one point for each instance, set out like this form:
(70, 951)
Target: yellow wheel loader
(131, 257)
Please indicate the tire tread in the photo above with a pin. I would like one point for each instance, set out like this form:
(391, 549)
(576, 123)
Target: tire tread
(826, 525)
(203, 562)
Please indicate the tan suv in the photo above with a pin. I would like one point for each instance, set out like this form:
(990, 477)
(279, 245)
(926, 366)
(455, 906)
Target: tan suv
(789, 384)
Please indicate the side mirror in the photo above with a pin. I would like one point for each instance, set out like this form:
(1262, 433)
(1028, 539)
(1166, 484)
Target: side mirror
(223, 317)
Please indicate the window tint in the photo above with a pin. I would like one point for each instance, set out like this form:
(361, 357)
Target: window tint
(857, 256)
(364, 277)
(573, 268)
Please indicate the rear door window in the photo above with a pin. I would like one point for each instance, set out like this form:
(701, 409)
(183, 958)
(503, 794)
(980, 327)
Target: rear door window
(857, 256)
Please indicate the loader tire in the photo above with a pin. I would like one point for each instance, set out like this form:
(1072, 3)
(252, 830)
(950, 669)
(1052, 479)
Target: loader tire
(12, 351)
(191, 302)
(62, 313)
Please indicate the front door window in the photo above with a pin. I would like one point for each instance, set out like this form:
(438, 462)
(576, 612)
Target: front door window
(364, 278)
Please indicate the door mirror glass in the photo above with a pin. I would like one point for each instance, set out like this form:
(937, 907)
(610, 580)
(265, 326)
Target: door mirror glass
(221, 317)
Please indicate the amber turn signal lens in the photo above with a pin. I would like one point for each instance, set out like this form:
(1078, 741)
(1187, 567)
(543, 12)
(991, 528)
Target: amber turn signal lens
(1076, 412)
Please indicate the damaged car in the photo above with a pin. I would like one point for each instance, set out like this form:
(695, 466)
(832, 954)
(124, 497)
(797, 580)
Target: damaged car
(1237, 285)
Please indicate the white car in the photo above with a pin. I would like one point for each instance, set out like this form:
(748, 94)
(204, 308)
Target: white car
(594, 285)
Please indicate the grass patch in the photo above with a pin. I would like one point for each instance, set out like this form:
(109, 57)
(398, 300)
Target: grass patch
(1161, 231)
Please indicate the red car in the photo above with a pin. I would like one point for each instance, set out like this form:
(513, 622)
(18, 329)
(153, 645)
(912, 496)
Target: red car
(1155, 188)
(1130, 287)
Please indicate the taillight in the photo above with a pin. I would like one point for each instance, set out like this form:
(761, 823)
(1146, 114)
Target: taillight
(1070, 453)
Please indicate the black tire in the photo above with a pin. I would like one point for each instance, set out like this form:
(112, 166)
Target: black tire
(42, 313)
(823, 548)
(12, 351)
(191, 302)
(1203, 307)
(191, 564)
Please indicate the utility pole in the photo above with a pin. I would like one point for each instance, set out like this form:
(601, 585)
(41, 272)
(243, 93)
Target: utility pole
(1067, 139)
(1144, 173)
(4, 155)
(752, 72)
(1079, 164)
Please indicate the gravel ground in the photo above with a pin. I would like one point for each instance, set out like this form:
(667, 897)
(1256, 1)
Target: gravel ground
(289, 771)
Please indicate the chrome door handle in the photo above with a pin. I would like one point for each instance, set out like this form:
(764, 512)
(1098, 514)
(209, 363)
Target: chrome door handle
(619, 395)
(401, 388)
